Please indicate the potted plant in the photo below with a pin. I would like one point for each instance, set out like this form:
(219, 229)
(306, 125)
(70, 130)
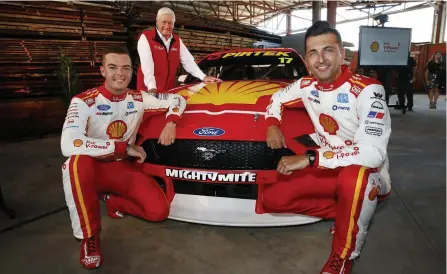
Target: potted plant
(68, 77)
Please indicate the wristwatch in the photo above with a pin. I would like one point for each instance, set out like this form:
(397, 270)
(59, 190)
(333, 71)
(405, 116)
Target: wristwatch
(311, 155)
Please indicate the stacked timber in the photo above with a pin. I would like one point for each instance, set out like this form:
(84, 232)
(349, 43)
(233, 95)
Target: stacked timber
(28, 67)
(33, 36)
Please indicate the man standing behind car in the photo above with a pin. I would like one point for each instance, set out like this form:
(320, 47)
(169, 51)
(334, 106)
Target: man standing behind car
(348, 172)
(405, 80)
(160, 53)
(98, 137)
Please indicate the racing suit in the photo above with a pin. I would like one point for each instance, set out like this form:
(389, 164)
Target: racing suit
(97, 130)
(350, 172)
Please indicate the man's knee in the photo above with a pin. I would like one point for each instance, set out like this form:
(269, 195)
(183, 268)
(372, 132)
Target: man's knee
(77, 168)
(78, 161)
(154, 201)
(161, 213)
(352, 179)
(273, 199)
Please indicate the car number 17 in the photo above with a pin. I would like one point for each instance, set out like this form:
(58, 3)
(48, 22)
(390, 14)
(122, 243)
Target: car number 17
(285, 60)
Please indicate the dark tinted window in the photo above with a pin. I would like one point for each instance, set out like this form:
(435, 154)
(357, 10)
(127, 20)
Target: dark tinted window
(261, 65)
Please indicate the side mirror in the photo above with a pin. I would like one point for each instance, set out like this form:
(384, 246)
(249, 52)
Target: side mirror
(182, 78)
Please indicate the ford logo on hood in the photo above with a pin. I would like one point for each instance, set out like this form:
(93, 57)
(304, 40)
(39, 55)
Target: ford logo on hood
(103, 107)
(209, 131)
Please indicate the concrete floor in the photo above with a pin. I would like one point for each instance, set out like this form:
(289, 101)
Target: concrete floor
(407, 235)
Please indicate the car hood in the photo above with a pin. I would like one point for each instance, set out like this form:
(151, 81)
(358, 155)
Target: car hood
(229, 110)
(229, 95)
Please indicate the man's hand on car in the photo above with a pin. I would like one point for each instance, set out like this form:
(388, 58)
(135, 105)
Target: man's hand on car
(167, 136)
(287, 164)
(209, 80)
(275, 139)
(138, 152)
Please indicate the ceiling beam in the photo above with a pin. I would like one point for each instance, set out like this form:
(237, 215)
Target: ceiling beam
(273, 11)
(418, 7)
(194, 7)
(211, 7)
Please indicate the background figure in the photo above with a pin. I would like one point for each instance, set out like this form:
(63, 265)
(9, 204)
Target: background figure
(405, 79)
(161, 52)
(433, 74)
(384, 76)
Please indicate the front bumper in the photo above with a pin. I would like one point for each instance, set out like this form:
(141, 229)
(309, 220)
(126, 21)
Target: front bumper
(225, 204)
(229, 212)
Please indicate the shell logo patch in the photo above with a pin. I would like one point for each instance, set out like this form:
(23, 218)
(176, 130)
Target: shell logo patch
(78, 142)
(230, 92)
(329, 124)
(329, 154)
(116, 129)
(374, 46)
(373, 193)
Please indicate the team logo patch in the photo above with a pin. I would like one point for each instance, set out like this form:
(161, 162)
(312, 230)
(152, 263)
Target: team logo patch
(335, 107)
(130, 105)
(328, 154)
(305, 82)
(78, 142)
(116, 129)
(373, 193)
(103, 107)
(342, 98)
(329, 124)
(315, 93)
(355, 90)
(377, 105)
(374, 131)
(376, 114)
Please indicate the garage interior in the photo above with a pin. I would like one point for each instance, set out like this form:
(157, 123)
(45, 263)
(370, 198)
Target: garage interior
(41, 41)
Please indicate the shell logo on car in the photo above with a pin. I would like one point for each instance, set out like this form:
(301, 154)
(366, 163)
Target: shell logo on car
(231, 92)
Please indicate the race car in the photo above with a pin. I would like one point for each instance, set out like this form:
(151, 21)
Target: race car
(219, 165)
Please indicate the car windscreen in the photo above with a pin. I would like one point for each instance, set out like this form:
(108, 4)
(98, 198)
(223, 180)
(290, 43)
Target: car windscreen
(255, 65)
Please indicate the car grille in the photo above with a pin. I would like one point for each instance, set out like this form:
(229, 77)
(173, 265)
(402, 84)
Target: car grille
(216, 155)
(240, 191)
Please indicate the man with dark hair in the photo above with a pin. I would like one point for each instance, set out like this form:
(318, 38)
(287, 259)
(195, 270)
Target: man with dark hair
(405, 78)
(98, 137)
(347, 172)
(116, 50)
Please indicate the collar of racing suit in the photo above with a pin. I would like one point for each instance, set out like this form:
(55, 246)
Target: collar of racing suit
(345, 75)
(109, 95)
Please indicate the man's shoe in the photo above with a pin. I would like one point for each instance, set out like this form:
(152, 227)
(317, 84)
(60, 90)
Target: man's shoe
(113, 213)
(337, 265)
(91, 257)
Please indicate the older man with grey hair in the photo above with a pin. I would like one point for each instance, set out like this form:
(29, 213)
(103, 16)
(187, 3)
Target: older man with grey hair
(161, 53)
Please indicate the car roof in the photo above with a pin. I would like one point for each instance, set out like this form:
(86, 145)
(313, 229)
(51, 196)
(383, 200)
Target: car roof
(252, 50)
(255, 50)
